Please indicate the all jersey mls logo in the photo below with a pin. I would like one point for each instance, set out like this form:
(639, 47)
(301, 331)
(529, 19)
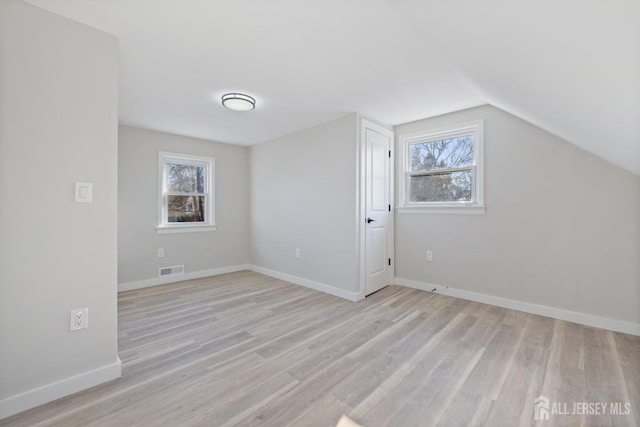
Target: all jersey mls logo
(543, 408)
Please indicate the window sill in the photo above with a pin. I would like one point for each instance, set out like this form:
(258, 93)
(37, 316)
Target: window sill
(186, 229)
(431, 210)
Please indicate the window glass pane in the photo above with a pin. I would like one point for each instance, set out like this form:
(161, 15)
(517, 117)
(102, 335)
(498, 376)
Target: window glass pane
(444, 187)
(446, 153)
(186, 178)
(186, 208)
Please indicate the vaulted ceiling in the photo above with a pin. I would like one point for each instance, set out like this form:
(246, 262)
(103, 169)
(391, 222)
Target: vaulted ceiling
(571, 67)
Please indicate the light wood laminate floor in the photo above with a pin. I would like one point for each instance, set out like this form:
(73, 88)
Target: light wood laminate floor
(246, 349)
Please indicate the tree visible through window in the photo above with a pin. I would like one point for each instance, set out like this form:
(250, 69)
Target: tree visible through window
(186, 193)
(443, 168)
(186, 190)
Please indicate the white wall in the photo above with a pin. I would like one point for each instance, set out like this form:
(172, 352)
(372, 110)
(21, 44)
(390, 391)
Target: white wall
(201, 252)
(303, 195)
(561, 229)
(58, 125)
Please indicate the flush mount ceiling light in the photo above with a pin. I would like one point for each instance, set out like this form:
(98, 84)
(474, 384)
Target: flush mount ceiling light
(238, 102)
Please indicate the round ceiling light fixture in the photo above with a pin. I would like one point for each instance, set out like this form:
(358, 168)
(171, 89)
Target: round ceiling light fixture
(238, 102)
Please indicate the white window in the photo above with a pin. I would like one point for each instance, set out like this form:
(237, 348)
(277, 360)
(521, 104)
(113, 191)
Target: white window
(443, 170)
(186, 199)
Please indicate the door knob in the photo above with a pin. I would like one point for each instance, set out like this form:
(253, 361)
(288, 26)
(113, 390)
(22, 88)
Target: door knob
(370, 220)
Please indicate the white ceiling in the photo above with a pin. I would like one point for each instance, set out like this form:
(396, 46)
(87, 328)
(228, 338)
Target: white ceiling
(570, 66)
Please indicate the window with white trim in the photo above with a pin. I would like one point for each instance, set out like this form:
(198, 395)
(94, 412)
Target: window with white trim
(186, 193)
(443, 168)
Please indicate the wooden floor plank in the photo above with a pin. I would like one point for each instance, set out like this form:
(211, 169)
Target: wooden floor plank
(246, 349)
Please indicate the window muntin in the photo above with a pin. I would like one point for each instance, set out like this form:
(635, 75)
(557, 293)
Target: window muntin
(186, 199)
(444, 168)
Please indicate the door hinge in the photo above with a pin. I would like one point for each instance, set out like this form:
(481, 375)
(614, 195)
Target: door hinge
(389, 153)
(389, 261)
(389, 208)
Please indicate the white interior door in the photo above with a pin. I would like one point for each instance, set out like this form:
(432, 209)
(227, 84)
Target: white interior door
(377, 213)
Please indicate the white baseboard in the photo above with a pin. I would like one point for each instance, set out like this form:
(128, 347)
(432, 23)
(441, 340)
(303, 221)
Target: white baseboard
(129, 286)
(322, 287)
(527, 307)
(50, 392)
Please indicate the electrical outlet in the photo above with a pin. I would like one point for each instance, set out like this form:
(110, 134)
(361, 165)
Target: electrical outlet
(79, 319)
(429, 256)
(160, 252)
(297, 252)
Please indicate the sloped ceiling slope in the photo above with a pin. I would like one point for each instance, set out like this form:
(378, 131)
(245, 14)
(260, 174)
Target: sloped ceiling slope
(571, 67)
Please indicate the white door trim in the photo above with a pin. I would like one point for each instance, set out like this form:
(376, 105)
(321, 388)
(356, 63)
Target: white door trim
(361, 200)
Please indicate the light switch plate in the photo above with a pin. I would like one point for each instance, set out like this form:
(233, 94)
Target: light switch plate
(84, 192)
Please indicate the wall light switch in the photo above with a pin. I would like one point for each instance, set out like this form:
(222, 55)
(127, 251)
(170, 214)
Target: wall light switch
(84, 192)
(160, 252)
